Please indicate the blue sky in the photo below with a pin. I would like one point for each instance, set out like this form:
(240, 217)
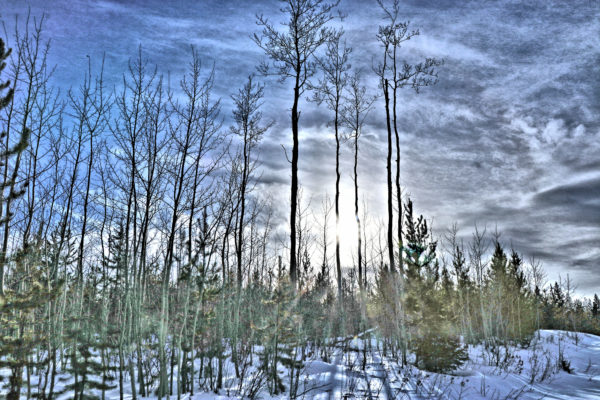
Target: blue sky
(509, 137)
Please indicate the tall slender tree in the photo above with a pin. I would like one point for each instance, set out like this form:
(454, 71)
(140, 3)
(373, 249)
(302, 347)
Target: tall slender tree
(293, 53)
(189, 147)
(330, 89)
(91, 108)
(394, 77)
(132, 122)
(358, 104)
(248, 126)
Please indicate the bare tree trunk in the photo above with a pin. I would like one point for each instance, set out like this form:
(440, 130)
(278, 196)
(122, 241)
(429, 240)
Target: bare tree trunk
(397, 136)
(338, 264)
(294, 185)
(306, 20)
(390, 207)
(359, 244)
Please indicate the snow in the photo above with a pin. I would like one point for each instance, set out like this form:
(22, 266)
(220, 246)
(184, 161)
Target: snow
(526, 373)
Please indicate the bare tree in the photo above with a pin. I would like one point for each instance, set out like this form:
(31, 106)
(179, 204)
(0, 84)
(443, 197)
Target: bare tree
(323, 275)
(330, 90)
(478, 247)
(358, 105)
(44, 119)
(91, 109)
(292, 53)
(249, 128)
(393, 77)
(134, 134)
(190, 143)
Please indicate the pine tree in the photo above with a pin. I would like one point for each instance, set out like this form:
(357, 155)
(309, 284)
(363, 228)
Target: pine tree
(419, 250)
(279, 330)
(461, 269)
(8, 151)
(596, 306)
(516, 273)
(447, 284)
(437, 348)
(8, 97)
(89, 374)
(498, 265)
(113, 262)
(557, 297)
(20, 322)
(520, 305)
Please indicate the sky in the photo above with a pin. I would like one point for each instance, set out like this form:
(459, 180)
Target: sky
(509, 138)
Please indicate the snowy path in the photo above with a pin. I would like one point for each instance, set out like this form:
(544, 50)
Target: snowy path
(383, 375)
(336, 371)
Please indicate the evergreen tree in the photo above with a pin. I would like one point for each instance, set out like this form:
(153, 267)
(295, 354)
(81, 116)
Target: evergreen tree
(516, 273)
(437, 348)
(419, 250)
(596, 306)
(20, 322)
(447, 284)
(557, 297)
(498, 266)
(88, 373)
(7, 152)
(461, 269)
(113, 262)
(279, 329)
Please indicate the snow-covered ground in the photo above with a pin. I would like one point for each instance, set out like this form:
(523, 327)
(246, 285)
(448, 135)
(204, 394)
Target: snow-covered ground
(533, 373)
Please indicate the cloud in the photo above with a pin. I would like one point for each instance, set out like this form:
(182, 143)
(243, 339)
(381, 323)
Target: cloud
(578, 201)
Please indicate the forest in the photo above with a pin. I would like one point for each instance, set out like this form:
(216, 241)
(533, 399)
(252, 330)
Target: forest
(139, 257)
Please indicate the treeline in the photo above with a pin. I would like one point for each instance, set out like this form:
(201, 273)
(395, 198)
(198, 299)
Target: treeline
(138, 254)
